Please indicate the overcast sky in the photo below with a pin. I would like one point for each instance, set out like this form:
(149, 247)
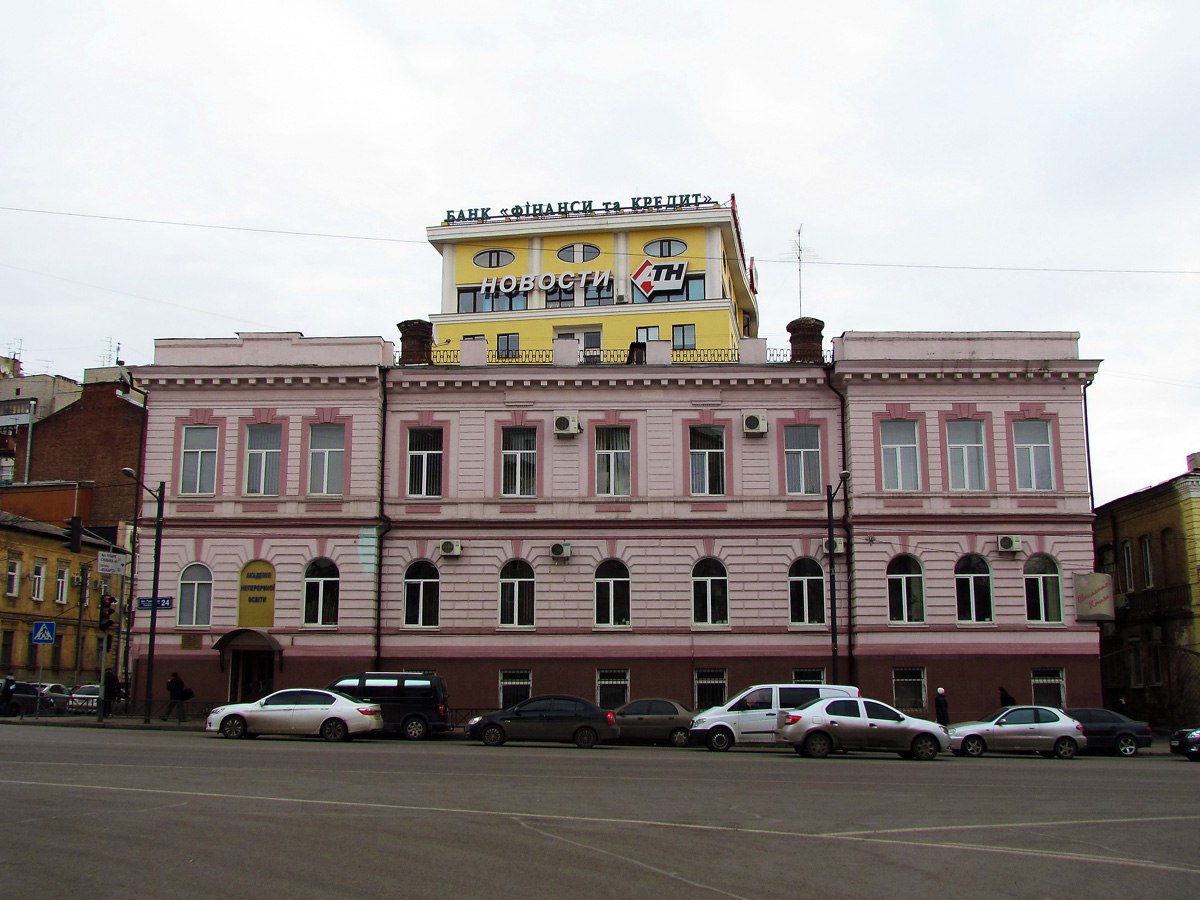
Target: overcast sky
(941, 157)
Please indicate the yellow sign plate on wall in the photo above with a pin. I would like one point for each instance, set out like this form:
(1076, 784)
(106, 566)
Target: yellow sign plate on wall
(256, 595)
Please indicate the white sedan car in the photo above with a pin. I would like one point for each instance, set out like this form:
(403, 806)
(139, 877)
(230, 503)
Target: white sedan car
(329, 714)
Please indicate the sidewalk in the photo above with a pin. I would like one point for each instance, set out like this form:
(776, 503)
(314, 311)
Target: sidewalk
(88, 720)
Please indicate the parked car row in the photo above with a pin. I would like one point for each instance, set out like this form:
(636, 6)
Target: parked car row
(815, 719)
(28, 698)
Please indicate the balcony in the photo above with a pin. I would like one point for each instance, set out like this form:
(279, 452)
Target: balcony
(1174, 602)
(634, 355)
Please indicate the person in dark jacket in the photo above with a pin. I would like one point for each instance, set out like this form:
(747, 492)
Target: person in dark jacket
(175, 690)
(1007, 699)
(942, 706)
(112, 688)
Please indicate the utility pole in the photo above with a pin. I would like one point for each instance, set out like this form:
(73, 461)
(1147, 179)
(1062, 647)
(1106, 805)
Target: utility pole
(85, 573)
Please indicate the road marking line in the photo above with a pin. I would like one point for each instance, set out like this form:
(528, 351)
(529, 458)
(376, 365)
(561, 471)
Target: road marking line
(879, 837)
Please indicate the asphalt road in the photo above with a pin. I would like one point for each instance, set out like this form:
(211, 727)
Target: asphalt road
(97, 813)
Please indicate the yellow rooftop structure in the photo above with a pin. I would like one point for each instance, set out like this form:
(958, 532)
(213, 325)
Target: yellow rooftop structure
(669, 268)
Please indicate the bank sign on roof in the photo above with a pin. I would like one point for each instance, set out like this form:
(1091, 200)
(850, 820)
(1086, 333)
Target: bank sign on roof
(578, 208)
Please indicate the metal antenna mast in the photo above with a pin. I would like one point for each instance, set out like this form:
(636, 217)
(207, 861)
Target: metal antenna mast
(800, 269)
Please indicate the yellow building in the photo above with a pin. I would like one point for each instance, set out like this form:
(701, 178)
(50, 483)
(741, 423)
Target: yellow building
(46, 582)
(1149, 542)
(606, 275)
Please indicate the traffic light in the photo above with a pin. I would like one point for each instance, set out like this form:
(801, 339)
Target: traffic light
(108, 609)
(74, 533)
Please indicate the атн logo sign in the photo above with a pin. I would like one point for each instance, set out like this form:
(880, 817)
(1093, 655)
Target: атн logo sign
(655, 277)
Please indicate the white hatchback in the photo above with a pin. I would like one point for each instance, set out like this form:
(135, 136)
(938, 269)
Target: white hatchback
(305, 711)
(751, 716)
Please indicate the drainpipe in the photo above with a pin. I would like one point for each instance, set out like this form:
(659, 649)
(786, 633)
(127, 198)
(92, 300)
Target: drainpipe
(847, 527)
(382, 524)
(1087, 447)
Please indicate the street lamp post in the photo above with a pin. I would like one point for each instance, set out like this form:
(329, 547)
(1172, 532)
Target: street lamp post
(158, 527)
(830, 493)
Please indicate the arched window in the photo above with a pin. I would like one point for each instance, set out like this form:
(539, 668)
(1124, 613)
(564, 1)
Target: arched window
(710, 593)
(806, 585)
(973, 586)
(493, 259)
(612, 593)
(195, 595)
(578, 253)
(1043, 594)
(516, 593)
(321, 581)
(665, 247)
(906, 590)
(421, 595)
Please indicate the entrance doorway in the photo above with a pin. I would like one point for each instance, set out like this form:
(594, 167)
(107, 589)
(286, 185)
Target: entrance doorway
(251, 675)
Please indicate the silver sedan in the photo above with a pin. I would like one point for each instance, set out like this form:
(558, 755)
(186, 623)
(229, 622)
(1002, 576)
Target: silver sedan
(843, 723)
(333, 716)
(1017, 729)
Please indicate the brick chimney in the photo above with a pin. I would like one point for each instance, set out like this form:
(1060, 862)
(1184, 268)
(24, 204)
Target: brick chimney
(806, 340)
(416, 342)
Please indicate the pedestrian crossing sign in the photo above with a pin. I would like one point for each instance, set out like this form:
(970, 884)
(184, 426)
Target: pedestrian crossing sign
(43, 633)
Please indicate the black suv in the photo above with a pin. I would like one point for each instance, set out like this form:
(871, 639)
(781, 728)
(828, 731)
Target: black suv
(414, 703)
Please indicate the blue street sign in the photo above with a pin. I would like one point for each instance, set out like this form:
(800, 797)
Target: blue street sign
(163, 602)
(43, 633)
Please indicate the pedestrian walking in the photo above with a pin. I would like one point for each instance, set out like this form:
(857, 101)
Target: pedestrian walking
(176, 691)
(6, 692)
(112, 688)
(942, 706)
(1007, 699)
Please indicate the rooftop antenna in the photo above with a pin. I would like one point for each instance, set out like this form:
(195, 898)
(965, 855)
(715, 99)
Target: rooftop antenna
(800, 269)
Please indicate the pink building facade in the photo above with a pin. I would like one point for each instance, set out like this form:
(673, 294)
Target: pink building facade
(620, 531)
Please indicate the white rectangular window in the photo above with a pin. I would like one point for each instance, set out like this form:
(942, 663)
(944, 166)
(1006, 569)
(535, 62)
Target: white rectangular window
(60, 584)
(647, 333)
(802, 458)
(968, 468)
(12, 583)
(425, 462)
(38, 588)
(1147, 561)
(326, 457)
(613, 461)
(898, 443)
(908, 689)
(1031, 448)
(612, 688)
(515, 685)
(1127, 564)
(708, 459)
(263, 449)
(518, 473)
(199, 469)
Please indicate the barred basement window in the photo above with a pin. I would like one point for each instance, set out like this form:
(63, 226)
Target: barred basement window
(808, 676)
(1049, 688)
(612, 688)
(515, 685)
(710, 687)
(908, 689)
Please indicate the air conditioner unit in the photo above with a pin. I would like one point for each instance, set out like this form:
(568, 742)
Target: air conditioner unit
(561, 550)
(621, 298)
(1008, 543)
(566, 423)
(839, 545)
(450, 548)
(754, 422)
